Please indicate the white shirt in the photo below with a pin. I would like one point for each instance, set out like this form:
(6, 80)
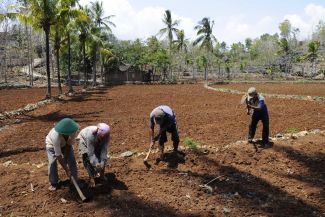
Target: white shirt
(57, 141)
(87, 141)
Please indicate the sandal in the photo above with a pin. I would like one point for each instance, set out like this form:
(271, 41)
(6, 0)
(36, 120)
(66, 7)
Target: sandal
(52, 188)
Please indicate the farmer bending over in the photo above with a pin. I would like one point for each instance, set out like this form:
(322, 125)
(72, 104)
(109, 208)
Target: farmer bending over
(59, 144)
(166, 119)
(256, 103)
(93, 144)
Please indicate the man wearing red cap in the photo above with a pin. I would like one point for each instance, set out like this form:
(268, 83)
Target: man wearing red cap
(93, 144)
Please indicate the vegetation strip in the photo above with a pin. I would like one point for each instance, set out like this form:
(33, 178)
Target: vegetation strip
(27, 108)
(282, 96)
(203, 148)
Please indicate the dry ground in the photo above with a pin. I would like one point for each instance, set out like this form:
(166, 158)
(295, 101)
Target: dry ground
(284, 180)
(304, 89)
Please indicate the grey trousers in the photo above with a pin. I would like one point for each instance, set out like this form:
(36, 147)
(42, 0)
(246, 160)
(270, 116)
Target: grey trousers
(53, 166)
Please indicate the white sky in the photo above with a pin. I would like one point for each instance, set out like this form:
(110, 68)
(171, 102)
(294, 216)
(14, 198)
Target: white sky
(235, 20)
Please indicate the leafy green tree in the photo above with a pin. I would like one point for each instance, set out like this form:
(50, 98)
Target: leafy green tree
(248, 44)
(285, 29)
(312, 55)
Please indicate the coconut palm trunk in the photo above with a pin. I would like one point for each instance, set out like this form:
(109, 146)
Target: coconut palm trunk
(47, 51)
(84, 63)
(69, 64)
(58, 68)
(94, 66)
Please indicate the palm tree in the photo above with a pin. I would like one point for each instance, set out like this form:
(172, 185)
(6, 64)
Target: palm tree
(204, 33)
(181, 42)
(63, 18)
(97, 14)
(42, 14)
(68, 16)
(170, 28)
(181, 45)
(84, 27)
(205, 37)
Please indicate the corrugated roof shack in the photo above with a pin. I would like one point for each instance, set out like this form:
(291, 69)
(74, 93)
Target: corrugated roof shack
(125, 74)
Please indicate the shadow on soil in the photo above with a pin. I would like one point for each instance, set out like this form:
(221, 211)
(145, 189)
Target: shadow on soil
(57, 116)
(19, 151)
(314, 163)
(255, 195)
(123, 203)
(173, 159)
(128, 204)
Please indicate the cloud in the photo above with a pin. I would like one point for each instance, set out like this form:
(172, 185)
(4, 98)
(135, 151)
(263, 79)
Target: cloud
(237, 29)
(313, 14)
(143, 23)
(132, 24)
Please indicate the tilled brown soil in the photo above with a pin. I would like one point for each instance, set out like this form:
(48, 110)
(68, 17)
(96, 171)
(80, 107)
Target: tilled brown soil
(12, 99)
(285, 180)
(304, 89)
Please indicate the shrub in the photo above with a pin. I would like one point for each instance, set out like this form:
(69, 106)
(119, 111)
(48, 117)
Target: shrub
(292, 130)
(191, 144)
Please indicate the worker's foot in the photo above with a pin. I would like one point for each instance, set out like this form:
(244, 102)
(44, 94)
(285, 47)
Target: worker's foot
(52, 188)
(92, 182)
(160, 158)
(250, 141)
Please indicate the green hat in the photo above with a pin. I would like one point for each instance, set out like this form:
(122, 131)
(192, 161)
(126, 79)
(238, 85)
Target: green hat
(66, 127)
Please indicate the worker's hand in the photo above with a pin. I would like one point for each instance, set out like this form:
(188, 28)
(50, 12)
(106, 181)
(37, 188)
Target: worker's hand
(248, 113)
(156, 138)
(67, 171)
(102, 165)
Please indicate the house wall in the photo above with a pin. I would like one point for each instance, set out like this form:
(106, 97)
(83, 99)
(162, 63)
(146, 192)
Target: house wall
(118, 77)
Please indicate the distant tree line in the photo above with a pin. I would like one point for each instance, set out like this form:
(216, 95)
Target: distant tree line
(78, 45)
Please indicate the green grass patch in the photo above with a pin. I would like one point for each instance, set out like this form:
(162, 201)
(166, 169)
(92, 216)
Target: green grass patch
(292, 130)
(191, 144)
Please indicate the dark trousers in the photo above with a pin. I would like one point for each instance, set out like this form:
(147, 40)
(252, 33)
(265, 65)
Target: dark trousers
(256, 117)
(175, 137)
(91, 169)
(92, 172)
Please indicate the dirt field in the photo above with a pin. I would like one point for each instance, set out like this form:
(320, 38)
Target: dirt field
(284, 180)
(11, 99)
(304, 89)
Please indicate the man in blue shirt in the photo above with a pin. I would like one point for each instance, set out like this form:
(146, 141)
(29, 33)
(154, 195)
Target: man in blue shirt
(256, 103)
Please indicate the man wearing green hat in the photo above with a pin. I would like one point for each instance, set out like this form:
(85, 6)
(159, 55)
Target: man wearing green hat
(165, 118)
(59, 142)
